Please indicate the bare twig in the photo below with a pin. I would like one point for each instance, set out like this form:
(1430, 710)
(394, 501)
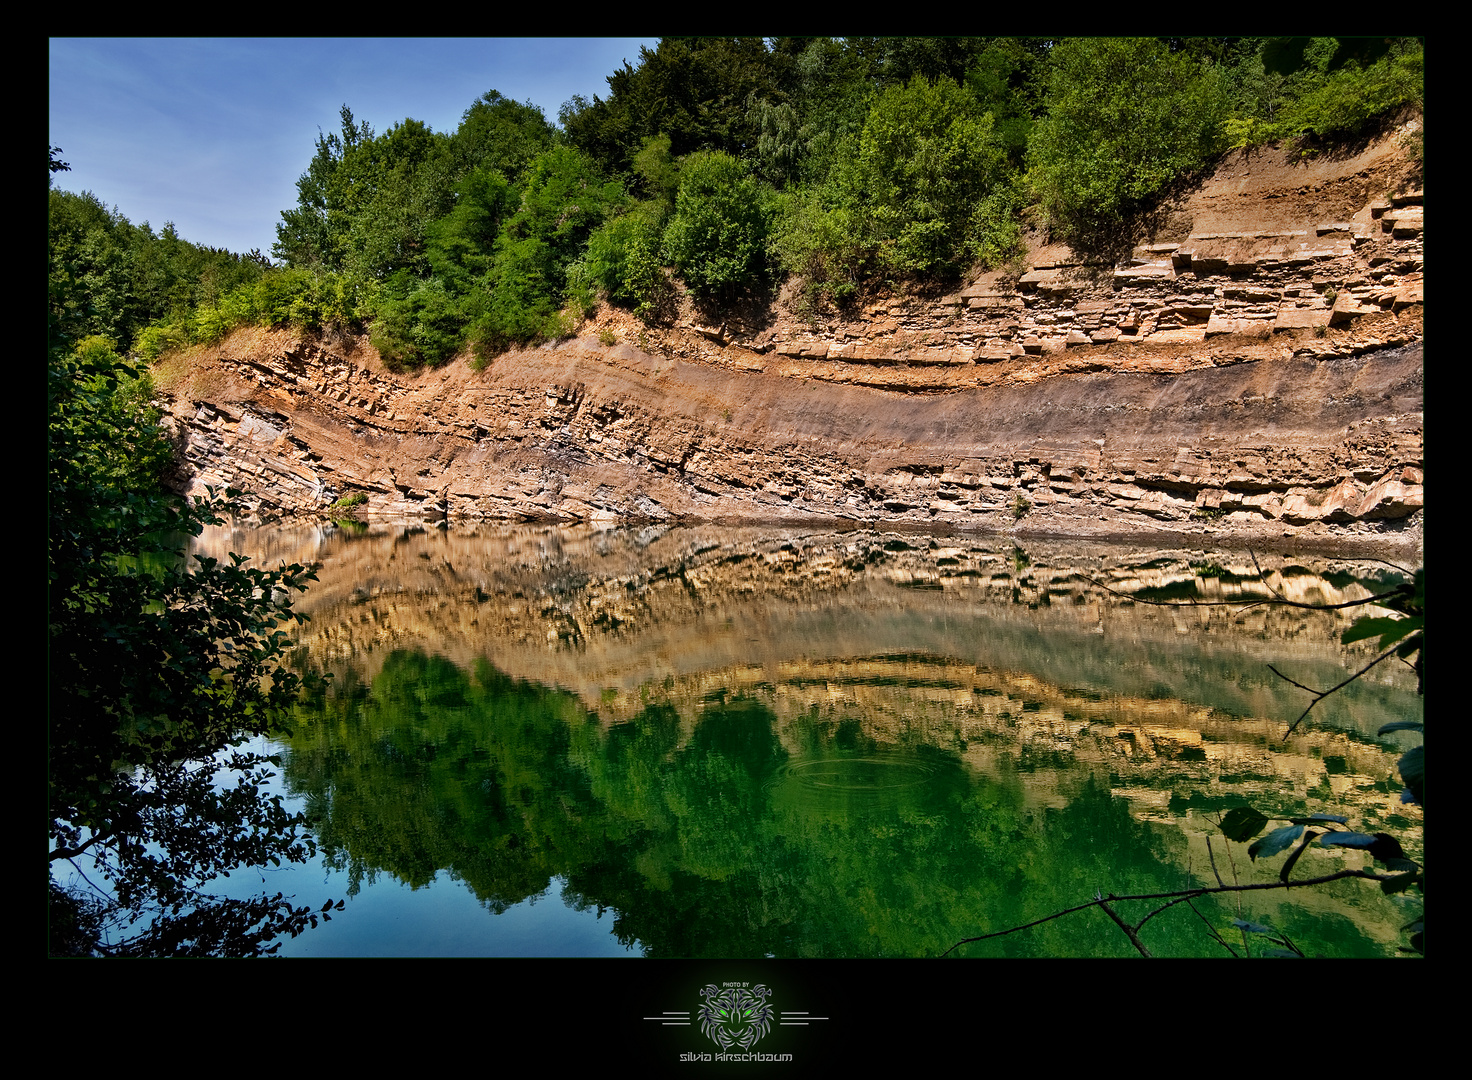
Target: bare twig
(1024, 926)
(1129, 931)
(69, 853)
(1212, 856)
(100, 892)
(1162, 907)
(1320, 695)
(1175, 897)
(1220, 940)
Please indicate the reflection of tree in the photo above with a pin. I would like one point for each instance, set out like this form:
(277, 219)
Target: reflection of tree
(430, 770)
(159, 674)
(703, 844)
(717, 788)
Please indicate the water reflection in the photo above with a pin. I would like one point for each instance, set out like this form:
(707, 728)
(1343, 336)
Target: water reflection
(752, 742)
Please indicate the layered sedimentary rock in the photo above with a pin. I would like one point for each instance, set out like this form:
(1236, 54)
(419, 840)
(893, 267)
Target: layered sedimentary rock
(1254, 372)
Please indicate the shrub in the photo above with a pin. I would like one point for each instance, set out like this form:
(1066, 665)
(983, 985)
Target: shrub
(1324, 88)
(623, 260)
(153, 341)
(927, 158)
(818, 235)
(1344, 101)
(717, 237)
(1125, 119)
(417, 324)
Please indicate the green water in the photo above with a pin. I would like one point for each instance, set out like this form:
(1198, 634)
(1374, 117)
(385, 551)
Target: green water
(703, 743)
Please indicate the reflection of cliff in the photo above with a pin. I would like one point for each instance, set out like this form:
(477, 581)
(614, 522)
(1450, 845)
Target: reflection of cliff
(870, 807)
(611, 613)
(1025, 668)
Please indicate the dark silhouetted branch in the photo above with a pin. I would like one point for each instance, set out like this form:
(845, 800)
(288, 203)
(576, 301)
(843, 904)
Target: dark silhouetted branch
(1320, 695)
(1183, 895)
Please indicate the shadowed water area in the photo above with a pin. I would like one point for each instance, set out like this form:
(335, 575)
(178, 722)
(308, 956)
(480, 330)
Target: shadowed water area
(729, 742)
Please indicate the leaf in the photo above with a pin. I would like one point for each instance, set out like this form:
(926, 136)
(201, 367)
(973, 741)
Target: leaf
(1242, 823)
(1401, 725)
(1413, 773)
(1292, 860)
(1275, 841)
(1390, 630)
(1399, 883)
(1386, 847)
(1410, 645)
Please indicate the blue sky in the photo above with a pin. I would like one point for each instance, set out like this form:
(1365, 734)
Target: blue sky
(212, 133)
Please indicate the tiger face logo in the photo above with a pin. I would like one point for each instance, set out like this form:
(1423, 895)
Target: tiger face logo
(736, 1016)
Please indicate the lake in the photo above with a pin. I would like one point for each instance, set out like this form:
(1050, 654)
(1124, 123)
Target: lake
(764, 741)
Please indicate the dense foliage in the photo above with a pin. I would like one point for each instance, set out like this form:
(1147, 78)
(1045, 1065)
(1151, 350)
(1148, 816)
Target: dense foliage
(729, 163)
(717, 237)
(158, 675)
(108, 277)
(686, 836)
(1126, 118)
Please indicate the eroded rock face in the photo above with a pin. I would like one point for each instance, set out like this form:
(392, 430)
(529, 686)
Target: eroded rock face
(1247, 384)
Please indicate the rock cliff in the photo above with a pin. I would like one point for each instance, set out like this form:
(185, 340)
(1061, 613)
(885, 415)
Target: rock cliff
(1251, 373)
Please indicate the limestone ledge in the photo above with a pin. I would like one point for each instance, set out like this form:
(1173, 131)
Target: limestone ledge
(1272, 448)
(1257, 383)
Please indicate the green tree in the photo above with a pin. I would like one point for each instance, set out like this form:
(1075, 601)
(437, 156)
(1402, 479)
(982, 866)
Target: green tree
(108, 277)
(926, 160)
(312, 233)
(1125, 119)
(391, 188)
(695, 90)
(498, 134)
(563, 199)
(158, 674)
(717, 237)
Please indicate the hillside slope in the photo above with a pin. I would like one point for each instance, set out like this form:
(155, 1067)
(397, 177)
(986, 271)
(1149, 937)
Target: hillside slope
(1253, 373)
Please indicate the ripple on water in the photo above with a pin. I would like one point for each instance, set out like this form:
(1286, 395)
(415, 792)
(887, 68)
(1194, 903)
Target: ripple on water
(857, 774)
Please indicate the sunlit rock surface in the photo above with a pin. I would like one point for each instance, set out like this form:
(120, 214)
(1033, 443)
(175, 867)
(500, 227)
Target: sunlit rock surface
(1253, 372)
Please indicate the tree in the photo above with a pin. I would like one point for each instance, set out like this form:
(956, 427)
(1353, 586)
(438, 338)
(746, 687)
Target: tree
(497, 133)
(927, 158)
(695, 90)
(158, 676)
(1125, 118)
(563, 199)
(313, 232)
(717, 237)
